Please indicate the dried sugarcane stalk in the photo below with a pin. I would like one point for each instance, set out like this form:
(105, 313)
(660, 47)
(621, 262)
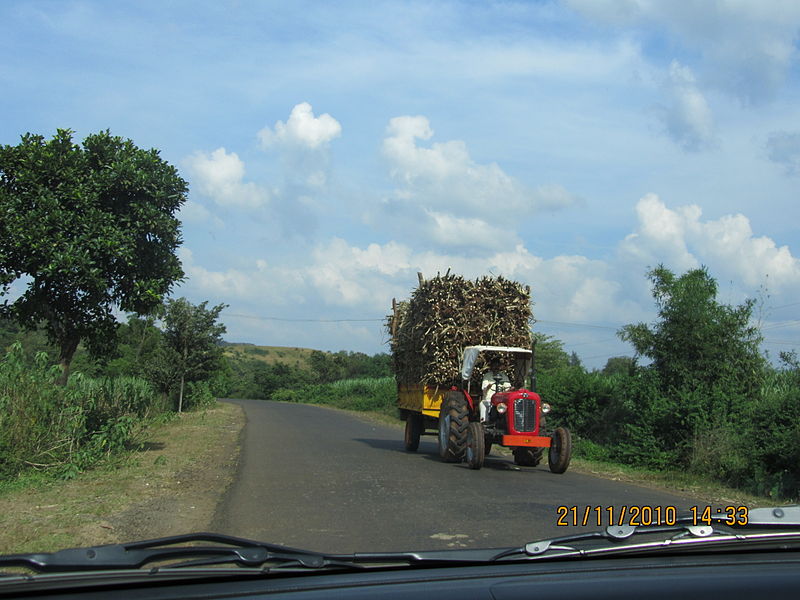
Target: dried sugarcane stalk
(447, 313)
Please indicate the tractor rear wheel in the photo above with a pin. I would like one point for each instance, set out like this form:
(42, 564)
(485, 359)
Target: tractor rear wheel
(560, 450)
(527, 457)
(413, 431)
(453, 423)
(475, 452)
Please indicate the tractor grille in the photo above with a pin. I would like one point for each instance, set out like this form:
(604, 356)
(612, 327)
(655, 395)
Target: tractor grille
(525, 414)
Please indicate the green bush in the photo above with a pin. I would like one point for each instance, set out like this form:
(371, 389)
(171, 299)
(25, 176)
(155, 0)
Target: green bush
(749, 441)
(771, 430)
(64, 428)
(198, 395)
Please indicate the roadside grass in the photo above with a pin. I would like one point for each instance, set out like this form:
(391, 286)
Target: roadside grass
(171, 484)
(674, 481)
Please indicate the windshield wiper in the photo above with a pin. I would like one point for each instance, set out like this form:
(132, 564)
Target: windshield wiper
(238, 551)
(764, 525)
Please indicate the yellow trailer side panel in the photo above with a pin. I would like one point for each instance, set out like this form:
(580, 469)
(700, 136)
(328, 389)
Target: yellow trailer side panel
(420, 398)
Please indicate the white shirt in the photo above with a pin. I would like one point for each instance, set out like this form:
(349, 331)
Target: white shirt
(488, 385)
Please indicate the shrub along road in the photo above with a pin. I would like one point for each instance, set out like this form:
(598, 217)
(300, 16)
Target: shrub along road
(318, 478)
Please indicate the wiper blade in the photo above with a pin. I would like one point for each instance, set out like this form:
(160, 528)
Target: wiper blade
(773, 525)
(135, 555)
(165, 554)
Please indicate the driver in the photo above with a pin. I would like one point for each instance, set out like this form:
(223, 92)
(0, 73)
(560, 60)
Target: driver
(489, 386)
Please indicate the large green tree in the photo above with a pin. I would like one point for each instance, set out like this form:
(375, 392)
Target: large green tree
(86, 230)
(193, 341)
(697, 342)
(549, 353)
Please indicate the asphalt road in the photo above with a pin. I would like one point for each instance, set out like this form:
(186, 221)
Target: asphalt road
(317, 478)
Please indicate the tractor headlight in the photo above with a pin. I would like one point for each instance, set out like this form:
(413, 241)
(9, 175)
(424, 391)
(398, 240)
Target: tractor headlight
(545, 407)
(502, 408)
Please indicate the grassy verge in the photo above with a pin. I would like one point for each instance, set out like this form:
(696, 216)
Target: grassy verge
(171, 485)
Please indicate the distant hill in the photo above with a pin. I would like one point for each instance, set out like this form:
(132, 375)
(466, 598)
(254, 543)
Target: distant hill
(294, 357)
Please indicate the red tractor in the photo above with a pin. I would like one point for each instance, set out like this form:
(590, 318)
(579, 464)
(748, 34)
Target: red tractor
(502, 412)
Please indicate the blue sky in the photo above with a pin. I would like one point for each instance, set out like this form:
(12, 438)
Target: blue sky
(335, 149)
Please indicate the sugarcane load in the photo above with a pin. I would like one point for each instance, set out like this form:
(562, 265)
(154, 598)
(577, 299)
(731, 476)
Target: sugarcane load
(462, 355)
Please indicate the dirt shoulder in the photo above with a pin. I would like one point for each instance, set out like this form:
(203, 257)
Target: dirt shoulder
(172, 486)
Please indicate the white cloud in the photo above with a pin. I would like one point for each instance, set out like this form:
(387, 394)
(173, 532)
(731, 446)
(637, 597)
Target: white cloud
(558, 61)
(256, 284)
(565, 287)
(365, 279)
(687, 118)
(350, 276)
(681, 240)
(783, 148)
(745, 48)
(464, 232)
(302, 129)
(446, 199)
(220, 175)
(660, 236)
(445, 176)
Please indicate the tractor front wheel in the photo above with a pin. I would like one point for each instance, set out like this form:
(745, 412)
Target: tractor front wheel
(453, 423)
(560, 450)
(413, 431)
(476, 451)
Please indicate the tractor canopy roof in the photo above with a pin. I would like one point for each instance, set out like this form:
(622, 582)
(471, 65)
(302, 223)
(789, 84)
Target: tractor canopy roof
(471, 354)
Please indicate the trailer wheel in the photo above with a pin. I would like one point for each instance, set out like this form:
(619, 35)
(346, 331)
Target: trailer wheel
(527, 457)
(453, 423)
(475, 452)
(413, 431)
(560, 450)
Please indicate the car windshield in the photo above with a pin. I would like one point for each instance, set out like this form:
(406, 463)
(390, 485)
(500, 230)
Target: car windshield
(395, 276)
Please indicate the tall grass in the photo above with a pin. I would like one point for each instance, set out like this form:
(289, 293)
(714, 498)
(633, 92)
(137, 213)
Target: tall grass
(366, 394)
(65, 429)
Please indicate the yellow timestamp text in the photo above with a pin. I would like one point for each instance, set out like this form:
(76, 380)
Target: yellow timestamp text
(729, 515)
(634, 515)
(606, 516)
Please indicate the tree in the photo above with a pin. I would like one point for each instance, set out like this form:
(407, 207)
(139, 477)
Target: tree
(697, 342)
(619, 365)
(87, 229)
(325, 366)
(138, 339)
(193, 341)
(549, 353)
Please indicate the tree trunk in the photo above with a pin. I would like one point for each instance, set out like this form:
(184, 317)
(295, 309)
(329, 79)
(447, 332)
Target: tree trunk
(183, 374)
(67, 351)
(180, 396)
